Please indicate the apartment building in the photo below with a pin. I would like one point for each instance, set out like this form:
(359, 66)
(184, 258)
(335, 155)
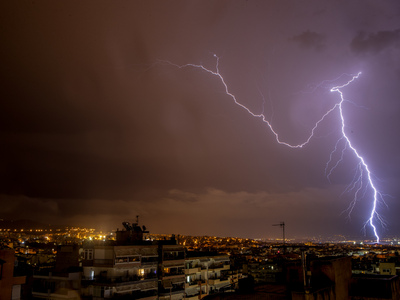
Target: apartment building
(206, 274)
(171, 271)
(112, 271)
(134, 268)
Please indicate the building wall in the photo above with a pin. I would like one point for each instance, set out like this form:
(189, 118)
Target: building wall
(387, 268)
(10, 286)
(323, 294)
(338, 271)
(67, 257)
(375, 287)
(6, 281)
(119, 270)
(206, 274)
(171, 272)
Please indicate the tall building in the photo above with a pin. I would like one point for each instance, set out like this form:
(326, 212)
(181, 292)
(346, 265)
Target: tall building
(134, 268)
(171, 271)
(206, 273)
(111, 271)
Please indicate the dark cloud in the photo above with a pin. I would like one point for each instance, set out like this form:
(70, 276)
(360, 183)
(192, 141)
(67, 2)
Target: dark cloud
(94, 129)
(310, 39)
(375, 42)
(227, 213)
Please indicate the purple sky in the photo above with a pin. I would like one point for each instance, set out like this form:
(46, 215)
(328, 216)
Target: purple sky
(96, 130)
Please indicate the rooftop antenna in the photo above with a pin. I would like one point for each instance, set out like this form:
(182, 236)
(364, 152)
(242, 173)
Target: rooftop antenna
(282, 225)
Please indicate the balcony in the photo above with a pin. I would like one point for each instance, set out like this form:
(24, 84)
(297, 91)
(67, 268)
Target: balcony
(218, 280)
(150, 275)
(192, 270)
(194, 283)
(123, 279)
(171, 291)
(148, 264)
(63, 294)
(151, 294)
(103, 262)
(140, 289)
(151, 260)
(213, 281)
(194, 296)
(218, 267)
(174, 256)
(173, 273)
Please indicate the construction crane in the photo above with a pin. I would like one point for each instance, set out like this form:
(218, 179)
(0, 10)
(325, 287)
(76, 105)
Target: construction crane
(282, 225)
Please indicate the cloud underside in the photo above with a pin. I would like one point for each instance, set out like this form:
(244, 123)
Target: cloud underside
(374, 43)
(310, 40)
(210, 212)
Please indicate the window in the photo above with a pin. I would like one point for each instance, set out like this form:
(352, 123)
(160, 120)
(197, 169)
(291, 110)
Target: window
(89, 254)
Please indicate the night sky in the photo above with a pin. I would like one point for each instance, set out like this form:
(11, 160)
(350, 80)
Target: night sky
(97, 128)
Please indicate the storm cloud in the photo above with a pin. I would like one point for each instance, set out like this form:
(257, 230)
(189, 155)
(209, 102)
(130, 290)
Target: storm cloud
(310, 39)
(375, 42)
(99, 121)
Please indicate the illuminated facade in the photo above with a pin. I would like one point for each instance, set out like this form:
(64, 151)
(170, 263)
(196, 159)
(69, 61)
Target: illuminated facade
(205, 275)
(111, 271)
(172, 272)
(134, 268)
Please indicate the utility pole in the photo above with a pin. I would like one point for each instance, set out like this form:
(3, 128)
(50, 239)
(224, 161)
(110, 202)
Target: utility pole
(282, 225)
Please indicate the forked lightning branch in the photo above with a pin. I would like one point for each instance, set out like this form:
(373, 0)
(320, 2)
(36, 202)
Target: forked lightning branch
(363, 180)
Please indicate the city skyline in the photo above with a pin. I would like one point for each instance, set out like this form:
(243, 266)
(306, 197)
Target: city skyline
(97, 128)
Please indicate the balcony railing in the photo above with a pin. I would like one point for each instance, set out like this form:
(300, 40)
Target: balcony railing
(221, 266)
(174, 273)
(143, 294)
(195, 282)
(193, 296)
(149, 263)
(122, 279)
(174, 290)
(213, 281)
(149, 260)
(192, 270)
(222, 277)
(178, 256)
(103, 262)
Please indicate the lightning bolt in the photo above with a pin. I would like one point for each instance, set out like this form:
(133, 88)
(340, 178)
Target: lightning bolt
(362, 168)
